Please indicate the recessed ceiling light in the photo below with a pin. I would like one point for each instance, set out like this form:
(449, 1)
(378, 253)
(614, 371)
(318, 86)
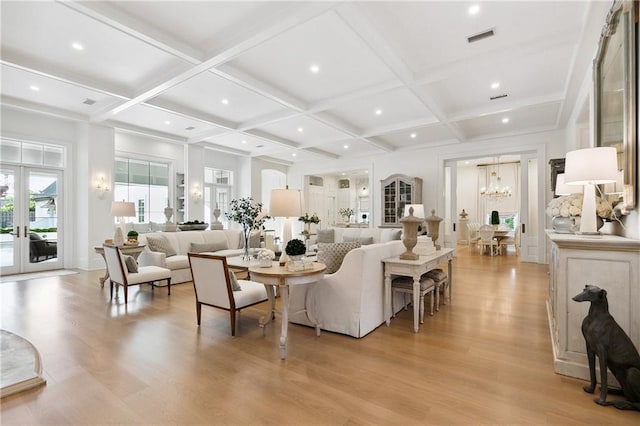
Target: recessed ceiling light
(243, 141)
(495, 85)
(34, 88)
(300, 129)
(167, 122)
(473, 10)
(378, 112)
(77, 46)
(225, 101)
(505, 120)
(294, 154)
(346, 147)
(413, 135)
(314, 68)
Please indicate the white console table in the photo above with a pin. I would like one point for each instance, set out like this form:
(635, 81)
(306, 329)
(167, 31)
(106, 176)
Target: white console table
(607, 261)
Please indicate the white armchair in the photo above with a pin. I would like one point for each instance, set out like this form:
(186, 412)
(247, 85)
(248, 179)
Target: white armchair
(119, 274)
(212, 284)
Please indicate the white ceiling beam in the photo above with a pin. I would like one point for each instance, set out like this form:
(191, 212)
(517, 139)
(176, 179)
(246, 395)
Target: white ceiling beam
(301, 15)
(398, 127)
(190, 113)
(145, 131)
(272, 138)
(24, 105)
(268, 119)
(221, 148)
(341, 125)
(107, 14)
(48, 70)
(505, 106)
(322, 153)
(333, 102)
(274, 160)
(355, 16)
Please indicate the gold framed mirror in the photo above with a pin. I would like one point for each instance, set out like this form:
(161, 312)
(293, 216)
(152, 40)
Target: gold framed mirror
(615, 80)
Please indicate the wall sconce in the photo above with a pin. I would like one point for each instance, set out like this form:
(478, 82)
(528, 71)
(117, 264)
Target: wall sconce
(102, 187)
(197, 194)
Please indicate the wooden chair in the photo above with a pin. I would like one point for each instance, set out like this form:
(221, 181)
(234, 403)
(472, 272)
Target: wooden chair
(511, 241)
(473, 234)
(487, 240)
(405, 285)
(212, 284)
(120, 275)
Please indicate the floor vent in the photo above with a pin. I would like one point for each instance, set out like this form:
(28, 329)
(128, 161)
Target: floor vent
(481, 36)
(493, 98)
(88, 101)
(189, 128)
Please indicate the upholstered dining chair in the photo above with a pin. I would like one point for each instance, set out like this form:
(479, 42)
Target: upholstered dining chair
(487, 240)
(512, 241)
(473, 234)
(404, 285)
(213, 285)
(121, 274)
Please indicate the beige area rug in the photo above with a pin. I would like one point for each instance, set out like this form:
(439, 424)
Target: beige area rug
(34, 275)
(20, 364)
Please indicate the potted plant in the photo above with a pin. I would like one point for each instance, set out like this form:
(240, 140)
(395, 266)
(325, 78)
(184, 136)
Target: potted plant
(295, 249)
(308, 220)
(249, 215)
(132, 237)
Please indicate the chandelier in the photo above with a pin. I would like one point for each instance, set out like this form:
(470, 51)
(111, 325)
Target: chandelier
(495, 190)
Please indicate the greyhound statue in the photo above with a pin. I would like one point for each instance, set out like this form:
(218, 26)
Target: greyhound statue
(615, 350)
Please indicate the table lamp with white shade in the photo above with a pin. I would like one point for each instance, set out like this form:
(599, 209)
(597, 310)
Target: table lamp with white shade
(286, 203)
(563, 189)
(121, 209)
(590, 167)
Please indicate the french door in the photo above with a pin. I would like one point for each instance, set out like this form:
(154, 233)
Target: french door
(30, 219)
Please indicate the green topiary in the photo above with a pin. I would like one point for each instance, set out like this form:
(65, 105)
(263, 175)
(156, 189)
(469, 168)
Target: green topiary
(132, 233)
(495, 218)
(295, 247)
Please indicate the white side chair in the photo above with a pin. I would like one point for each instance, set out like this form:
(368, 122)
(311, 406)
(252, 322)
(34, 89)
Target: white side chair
(404, 285)
(487, 240)
(212, 284)
(473, 234)
(119, 275)
(511, 241)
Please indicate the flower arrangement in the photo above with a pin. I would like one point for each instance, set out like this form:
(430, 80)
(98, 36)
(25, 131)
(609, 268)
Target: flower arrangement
(266, 254)
(309, 219)
(571, 205)
(345, 212)
(249, 215)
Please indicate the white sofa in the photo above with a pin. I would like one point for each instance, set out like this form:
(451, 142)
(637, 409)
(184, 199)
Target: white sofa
(351, 300)
(181, 243)
(379, 235)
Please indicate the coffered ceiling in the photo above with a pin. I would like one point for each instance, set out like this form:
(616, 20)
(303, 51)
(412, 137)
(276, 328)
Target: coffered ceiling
(296, 81)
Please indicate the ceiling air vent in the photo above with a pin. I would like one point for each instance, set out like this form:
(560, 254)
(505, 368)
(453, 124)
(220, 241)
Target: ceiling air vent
(481, 36)
(493, 98)
(88, 101)
(189, 128)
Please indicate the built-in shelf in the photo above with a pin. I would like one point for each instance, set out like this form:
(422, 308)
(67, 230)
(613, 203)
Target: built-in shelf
(180, 198)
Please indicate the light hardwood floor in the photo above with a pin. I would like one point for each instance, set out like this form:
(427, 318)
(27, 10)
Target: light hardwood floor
(484, 359)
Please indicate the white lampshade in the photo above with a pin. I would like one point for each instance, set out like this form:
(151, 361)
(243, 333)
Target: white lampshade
(286, 203)
(563, 189)
(123, 209)
(591, 166)
(418, 210)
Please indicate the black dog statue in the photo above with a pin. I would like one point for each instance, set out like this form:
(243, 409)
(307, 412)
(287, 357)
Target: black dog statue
(615, 350)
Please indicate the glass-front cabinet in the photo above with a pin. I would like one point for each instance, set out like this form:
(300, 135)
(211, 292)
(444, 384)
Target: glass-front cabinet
(397, 191)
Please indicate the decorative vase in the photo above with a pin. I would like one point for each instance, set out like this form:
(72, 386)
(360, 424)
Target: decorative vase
(433, 225)
(565, 225)
(168, 212)
(246, 256)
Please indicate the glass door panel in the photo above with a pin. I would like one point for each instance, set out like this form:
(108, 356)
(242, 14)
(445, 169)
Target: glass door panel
(9, 226)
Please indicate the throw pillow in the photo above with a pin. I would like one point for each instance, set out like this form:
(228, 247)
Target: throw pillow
(326, 236)
(132, 265)
(235, 285)
(161, 244)
(362, 240)
(202, 247)
(332, 254)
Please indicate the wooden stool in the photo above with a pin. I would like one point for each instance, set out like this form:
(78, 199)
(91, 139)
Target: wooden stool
(441, 282)
(405, 285)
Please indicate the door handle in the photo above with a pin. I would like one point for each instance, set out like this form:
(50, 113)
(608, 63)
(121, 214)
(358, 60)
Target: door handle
(17, 233)
(26, 231)
(523, 229)
(454, 227)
